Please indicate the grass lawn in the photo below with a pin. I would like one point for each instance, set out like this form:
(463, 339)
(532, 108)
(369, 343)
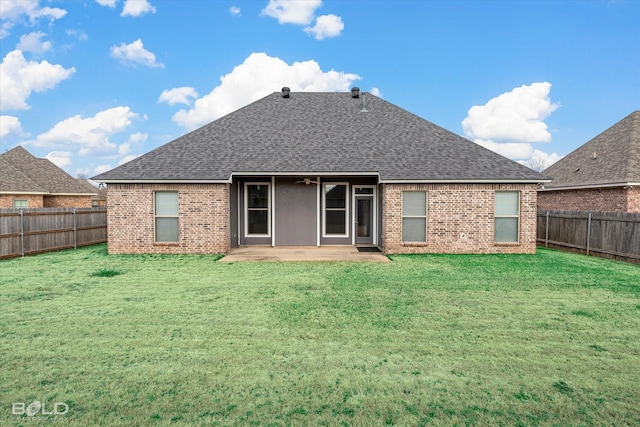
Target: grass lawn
(544, 340)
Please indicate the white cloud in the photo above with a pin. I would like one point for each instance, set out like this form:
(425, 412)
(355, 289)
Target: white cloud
(292, 11)
(10, 125)
(326, 26)
(134, 53)
(108, 3)
(89, 136)
(376, 92)
(513, 116)
(32, 42)
(234, 10)
(509, 123)
(255, 78)
(127, 159)
(540, 160)
(178, 95)
(102, 168)
(12, 11)
(62, 159)
(20, 78)
(138, 137)
(137, 8)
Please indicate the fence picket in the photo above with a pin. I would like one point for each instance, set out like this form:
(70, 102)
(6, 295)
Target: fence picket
(610, 234)
(30, 231)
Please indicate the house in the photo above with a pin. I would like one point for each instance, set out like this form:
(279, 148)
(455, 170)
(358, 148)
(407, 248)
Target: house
(100, 198)
(30, 182)
(311, 169)
(601, 175)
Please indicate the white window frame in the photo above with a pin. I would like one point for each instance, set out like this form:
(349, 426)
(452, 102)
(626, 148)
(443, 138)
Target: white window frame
(20, 200)
(246, 209)
(324, 210)
(403, 216)
(496, 216)
(156, 216)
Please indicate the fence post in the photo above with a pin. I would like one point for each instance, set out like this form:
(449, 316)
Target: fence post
(588, 232)
(546, 231)
(75, 231)
(21, 233)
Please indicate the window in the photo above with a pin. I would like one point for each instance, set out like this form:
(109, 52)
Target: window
(166, 213)
(335, 209)
(20, 204)
(258, 208)
(507, 216)
(414, 216)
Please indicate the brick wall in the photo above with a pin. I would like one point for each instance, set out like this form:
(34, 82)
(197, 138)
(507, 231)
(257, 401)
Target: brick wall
(203, 222)
(459, 218)
(633, 199)
(67, 202)
(6, 200)
(614, 199)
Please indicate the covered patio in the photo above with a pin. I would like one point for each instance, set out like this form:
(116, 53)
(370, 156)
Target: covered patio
(303, 253)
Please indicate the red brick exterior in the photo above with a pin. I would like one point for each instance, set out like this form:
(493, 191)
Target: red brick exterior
(67, 201)
(34, 201)
(203, 222)
(612, 199)
(460, 218)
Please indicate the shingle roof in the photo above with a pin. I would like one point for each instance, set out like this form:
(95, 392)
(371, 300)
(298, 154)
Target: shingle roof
(612, 157)
(322, 133)
(21, 172)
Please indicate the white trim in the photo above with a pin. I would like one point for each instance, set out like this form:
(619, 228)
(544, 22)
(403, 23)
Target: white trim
(591, 186)
(517, 216)
(324, 210)
(273, 211)
(463, 181)
(303, 173)
(318, 211)
(374, 206)
(240, 207)
(246, 210)
(165, 181)
(23, 192)
(425, 216)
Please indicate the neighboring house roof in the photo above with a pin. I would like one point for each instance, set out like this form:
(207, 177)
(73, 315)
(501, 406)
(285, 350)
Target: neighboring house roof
(610, 159)
(321, 133)
(21, 172)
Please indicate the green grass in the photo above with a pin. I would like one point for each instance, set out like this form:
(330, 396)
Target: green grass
(514, 340)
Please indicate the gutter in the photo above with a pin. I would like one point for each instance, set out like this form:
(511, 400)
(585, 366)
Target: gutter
(591, 186)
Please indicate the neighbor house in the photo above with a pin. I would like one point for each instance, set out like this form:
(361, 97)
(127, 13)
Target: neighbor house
(601, 175)
(311, 169)
(27, 181)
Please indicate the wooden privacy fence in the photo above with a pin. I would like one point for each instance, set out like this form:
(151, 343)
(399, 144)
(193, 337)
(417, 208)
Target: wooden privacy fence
(607, 234)
(30, 231)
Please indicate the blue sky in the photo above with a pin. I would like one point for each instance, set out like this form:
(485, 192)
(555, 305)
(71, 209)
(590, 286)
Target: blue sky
(92, 84)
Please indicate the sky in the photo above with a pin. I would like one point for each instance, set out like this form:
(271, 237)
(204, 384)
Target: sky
(92, 84)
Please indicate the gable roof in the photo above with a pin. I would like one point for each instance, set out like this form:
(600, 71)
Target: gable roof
(321, 133)
(610, 159)
(21, 172)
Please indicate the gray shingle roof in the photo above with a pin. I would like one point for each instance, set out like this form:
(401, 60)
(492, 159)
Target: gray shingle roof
(322, 133)
(20, 171)
(616, 160)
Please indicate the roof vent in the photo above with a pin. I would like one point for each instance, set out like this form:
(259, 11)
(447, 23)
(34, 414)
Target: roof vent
(285, 92)
(355, 92)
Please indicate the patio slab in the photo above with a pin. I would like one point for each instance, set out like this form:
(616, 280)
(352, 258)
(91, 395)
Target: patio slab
(302, 253)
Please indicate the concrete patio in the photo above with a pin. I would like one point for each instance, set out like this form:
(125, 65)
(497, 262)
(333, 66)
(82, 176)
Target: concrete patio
(302, 253)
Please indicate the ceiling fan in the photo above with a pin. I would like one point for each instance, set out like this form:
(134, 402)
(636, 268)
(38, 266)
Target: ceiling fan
(307, 181)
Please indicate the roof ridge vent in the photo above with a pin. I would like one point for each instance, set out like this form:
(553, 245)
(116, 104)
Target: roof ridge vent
(285, 92)
(355, 92)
